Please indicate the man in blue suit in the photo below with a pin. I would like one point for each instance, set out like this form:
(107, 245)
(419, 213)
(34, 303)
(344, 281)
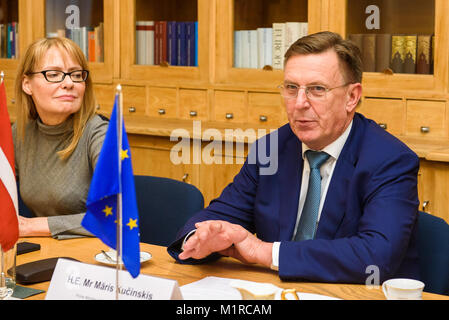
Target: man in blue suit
(362, 207)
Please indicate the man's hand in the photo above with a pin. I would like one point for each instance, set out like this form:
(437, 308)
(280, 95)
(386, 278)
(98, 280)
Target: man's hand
(228, 239)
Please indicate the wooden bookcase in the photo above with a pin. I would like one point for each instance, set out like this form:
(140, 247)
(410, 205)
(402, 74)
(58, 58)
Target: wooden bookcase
(161, 98)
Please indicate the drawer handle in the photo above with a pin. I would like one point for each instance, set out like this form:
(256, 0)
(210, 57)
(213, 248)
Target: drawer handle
(263, 118)
(97, 107)
(13, 101)
(193, 113)
(229, 116)
(184, 177)
(161, 111)
(383, 126)
(132, 109)
(425, 129)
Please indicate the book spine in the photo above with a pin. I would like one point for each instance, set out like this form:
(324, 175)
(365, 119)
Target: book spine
(196, 43)
(190, 43)
(410, 54)
(383, 52)
(156, 45)
(268, 45)
(181, 43)
(369, 51)
(260, 48)
(149, 35)
(163, 41)
(304, 29)
(397, 53)
(245, 48)
(140, 42)
(423, 54)
(100, 41)
(278, 45)
(92, 45)
(253, 62)
(292, 33)
(172, 50)
(9, 41)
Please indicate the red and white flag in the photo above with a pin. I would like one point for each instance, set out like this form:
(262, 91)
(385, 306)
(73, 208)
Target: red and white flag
(9, 224)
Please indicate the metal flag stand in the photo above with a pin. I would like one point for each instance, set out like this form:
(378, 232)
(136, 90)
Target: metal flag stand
(119, 263)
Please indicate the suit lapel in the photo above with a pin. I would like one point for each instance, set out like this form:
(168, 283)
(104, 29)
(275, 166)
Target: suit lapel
(289, 182)
(334, 208)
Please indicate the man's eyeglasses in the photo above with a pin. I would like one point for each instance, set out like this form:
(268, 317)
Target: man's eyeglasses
(55, 76)
(313, 92)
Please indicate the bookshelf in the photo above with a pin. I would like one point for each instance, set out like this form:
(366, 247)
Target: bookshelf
(220, 94)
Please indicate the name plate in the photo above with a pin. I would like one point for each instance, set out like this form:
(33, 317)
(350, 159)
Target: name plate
(74, 280)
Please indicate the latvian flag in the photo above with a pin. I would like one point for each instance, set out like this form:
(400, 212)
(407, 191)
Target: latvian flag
(9, 225)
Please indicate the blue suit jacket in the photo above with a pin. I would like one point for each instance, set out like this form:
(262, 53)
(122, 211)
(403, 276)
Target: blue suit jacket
(368, 218)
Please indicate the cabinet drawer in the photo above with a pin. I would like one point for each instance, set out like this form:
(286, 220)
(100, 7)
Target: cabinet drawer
(388, 113)
(134, 100)
(426, 118)
(105, 95)
(265, 108)
(230, 106)
(162, 103)
(193, 104)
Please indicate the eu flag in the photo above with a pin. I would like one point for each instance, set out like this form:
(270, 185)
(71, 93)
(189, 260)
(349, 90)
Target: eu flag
(101, 215)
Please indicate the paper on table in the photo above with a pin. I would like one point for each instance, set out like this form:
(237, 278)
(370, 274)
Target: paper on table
(215, 288)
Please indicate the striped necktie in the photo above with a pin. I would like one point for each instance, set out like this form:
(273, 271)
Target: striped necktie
(307, 223)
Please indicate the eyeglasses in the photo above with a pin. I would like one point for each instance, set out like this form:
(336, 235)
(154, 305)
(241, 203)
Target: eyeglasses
(313, 92)
(55, 76)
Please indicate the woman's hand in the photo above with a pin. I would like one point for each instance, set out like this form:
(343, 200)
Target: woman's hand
(33, 227)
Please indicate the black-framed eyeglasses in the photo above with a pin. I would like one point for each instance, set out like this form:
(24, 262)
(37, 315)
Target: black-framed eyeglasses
(313, 92)
(55, 76)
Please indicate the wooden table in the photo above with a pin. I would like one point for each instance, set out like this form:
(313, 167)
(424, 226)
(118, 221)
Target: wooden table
(162, 265)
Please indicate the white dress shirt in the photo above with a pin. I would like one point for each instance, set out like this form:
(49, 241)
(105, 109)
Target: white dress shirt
(326, 171)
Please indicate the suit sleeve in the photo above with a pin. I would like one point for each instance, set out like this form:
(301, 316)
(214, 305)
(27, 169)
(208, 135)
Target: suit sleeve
(387, 196)
(235, 205)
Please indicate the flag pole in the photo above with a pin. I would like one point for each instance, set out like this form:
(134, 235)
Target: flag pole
(3, 288)
(119, 246)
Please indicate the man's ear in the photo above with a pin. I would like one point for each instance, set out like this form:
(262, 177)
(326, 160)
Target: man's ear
(26, 86)
(354, 96)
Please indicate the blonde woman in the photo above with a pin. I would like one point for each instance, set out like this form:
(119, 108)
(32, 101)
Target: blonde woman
(57, 137)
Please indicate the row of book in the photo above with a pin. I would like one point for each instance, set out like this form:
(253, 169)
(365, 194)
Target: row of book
(401, 53)
(256, 49)
(89, 39)
(9, 40)
(171, 42)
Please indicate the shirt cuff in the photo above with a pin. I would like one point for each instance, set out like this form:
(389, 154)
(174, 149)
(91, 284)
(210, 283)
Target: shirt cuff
(187, 237)
(275, 256)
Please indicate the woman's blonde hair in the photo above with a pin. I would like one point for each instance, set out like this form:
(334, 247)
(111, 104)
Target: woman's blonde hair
(26, 109)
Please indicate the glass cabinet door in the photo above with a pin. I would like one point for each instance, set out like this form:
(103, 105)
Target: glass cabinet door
(165, 41)
(404, 43)
(253, 37)
(90, 24)
(9, 29)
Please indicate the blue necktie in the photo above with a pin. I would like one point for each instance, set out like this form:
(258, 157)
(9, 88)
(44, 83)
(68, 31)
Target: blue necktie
(307, 222)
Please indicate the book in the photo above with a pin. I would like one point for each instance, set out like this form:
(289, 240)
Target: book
(264, 42)
(181, 43)
(397, 53)
(357, 39)
(238, 57)
(278, 45)
(149, 40)
(163, 41)
(304, 29)
(383, 51)
(157, 49)
(410, 54)
(172, 50)
(99, 43)
(196, 43)
(292, 33)
(260, 48)
(252, 40)
(190, 44)
(245, 48)
(91, 49)
(369, 52)
(423, 54)
(145, 42)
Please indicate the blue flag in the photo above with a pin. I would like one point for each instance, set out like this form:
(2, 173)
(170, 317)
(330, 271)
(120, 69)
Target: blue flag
(101, 214)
